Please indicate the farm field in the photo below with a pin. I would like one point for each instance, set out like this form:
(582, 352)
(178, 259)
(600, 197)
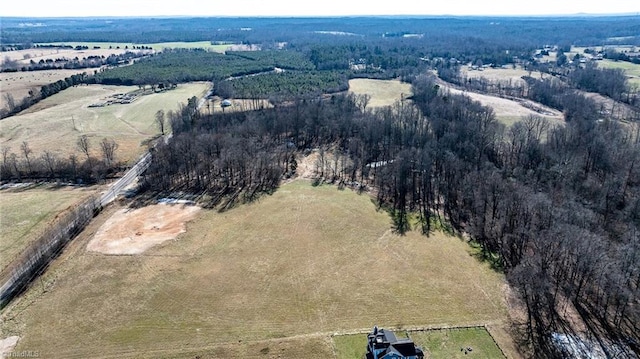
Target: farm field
(508, 111)
(57, 122)
(18, 84)
(503, 75)
(24, 213)
(382, 92)
(25, 56)
(159, 46)
(436, 343)
(632, 70)
(276, 277)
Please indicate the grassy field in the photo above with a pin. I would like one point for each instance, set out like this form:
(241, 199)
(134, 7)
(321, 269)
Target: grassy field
(632, 70)
(155, 46)
(502, 75)
(382, 92)
(276, 277)
(509, 112)
(436, 343)
(18, 84)
(24, 213)
(58, 121)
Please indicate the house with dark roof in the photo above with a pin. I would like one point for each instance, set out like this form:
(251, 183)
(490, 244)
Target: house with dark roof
(383, 344)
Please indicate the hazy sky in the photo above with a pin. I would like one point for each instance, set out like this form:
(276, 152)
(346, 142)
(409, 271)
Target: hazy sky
(56, 8)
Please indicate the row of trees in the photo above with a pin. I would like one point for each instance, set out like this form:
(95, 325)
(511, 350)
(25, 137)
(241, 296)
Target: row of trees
(13, 106)
(49, 166)
(555, 208)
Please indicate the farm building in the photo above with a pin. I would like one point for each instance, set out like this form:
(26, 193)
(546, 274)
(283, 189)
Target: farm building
(383, 344)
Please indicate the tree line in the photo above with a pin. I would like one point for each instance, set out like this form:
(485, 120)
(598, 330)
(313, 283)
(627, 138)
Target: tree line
(86, 168)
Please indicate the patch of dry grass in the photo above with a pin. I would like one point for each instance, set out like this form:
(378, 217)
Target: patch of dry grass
(382, 92)
(58, 121)
(502, 75)
(303, 261)
(508, 111)
(18, 84)
(24, 214)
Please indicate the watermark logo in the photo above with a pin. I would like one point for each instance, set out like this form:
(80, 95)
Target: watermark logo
(23, 354)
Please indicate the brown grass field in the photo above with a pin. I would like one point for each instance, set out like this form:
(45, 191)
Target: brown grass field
(26, 212)
(18, 84)
(275, 278)
(37, 54)
(382, 92)
(503, 75)
(58, 121)
(508, 111)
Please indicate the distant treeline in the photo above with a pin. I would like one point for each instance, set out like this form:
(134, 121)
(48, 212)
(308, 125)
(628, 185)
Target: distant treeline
(530, 32)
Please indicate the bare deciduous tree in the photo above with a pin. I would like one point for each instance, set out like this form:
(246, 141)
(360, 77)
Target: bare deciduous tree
(161, 122)
(26, 151)
(83, 145)
(108, 147)
(50, 160)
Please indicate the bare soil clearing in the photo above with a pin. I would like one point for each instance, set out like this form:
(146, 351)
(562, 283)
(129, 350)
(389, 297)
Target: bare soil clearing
(133, 231)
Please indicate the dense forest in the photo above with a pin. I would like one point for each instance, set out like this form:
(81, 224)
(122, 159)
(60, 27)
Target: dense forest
(556, 208)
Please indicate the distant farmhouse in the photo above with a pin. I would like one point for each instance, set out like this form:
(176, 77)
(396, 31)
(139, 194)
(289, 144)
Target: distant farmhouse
(383, 344)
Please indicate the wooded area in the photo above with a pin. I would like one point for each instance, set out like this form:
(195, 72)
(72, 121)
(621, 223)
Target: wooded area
(557, 208)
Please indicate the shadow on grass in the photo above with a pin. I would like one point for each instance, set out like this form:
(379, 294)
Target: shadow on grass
(493, 259)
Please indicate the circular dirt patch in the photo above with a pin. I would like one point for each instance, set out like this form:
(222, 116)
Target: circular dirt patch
(133, 231)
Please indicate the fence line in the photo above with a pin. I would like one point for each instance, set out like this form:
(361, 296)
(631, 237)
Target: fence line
(37, 256)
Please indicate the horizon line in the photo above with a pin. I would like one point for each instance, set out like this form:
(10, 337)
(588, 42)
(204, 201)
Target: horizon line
(580, 14)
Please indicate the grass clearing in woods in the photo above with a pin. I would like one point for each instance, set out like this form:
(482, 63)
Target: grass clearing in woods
(382, 92)
(297, 265)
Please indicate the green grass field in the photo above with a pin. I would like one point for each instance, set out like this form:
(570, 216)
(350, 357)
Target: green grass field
(155, 46)
(436, 343)
(283, 273)
(24, 214)
(632, 70)
(58, 121)
(382, 92)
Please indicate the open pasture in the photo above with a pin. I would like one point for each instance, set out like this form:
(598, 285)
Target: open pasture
(56, 123)
(18, 84)
(275, 277)
(159, 46)
(631, 70)
(509, 112)
(501, 74)
(24, 57)
(382, 92)
(25, 213)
